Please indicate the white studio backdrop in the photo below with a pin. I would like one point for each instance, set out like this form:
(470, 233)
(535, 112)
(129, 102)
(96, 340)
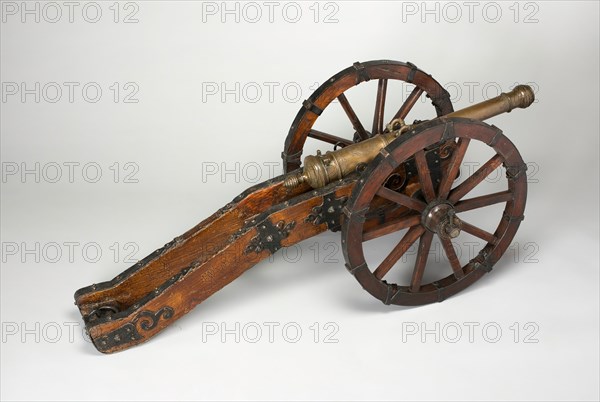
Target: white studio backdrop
(123, 124)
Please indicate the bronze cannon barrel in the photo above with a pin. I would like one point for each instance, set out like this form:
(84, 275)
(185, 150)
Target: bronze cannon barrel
(320, 170)
(520, 97)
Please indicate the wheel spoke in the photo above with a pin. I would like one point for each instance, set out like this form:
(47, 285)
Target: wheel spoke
(401, 199)
(453, 167)
(478, 232)
(451, 254)
(379, 106)
(356, 124)
(408, 103)
(421, 262)
(329, 138)
(483, 201)
(424, 176)
(472, 181)
(392, 226)
(409, 238)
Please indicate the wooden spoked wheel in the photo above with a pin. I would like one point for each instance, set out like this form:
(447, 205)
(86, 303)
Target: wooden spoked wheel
(335, 88)
(436, 210)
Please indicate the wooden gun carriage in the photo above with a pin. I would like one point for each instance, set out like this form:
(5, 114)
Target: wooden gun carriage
(395, 177)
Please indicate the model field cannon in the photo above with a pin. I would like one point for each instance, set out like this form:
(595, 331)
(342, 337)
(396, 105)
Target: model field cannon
(395, 177)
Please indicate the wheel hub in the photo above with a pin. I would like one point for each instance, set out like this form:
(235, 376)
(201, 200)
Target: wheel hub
(441, 218)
